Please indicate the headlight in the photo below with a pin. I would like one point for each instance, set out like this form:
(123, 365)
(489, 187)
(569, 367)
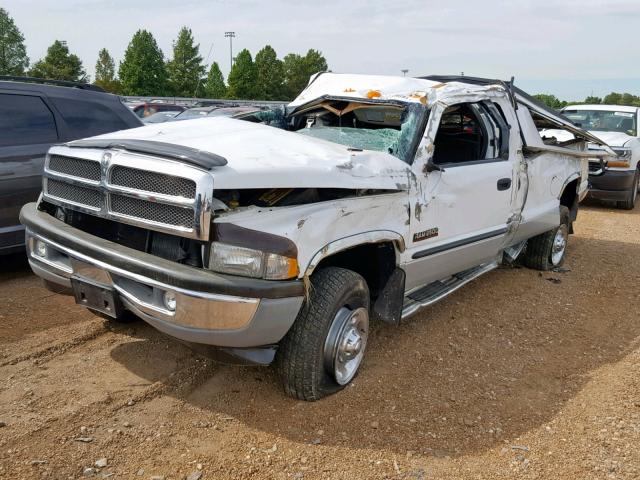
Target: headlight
(248, 262)
(623, 153)
(623, 160)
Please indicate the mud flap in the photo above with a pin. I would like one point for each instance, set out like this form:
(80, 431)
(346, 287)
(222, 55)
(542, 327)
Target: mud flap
(388, 305)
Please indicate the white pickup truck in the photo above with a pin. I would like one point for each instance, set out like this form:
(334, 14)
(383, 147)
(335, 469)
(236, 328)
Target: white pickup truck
(377, 197)
(618, 126)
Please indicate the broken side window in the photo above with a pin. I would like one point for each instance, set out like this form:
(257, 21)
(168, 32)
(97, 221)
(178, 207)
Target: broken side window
(469, 132)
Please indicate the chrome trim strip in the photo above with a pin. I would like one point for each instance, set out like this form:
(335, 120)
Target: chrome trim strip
(416, 306)
(459, 243)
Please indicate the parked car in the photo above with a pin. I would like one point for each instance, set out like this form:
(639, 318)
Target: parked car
(381, 196)
(248, 113)
(161, 117)
(617, 125)
(196, 112)
(33, 116)
(149, 108)
(211, 103)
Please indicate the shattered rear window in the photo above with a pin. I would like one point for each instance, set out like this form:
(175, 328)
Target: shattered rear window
(389, 128)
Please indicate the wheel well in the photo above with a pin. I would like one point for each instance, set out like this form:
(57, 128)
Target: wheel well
(569, 198)
(374, 261)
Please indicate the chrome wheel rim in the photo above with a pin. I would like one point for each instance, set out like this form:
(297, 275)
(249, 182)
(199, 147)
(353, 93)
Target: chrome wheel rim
(346, 342)
(559, 245)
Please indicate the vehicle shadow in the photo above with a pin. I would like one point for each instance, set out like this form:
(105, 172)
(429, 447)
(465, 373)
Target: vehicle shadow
(591, 204)
(496, 359)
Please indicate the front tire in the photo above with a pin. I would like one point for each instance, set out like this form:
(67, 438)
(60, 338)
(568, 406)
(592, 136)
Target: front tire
(548, 250)
(323, 350)
(630, 202)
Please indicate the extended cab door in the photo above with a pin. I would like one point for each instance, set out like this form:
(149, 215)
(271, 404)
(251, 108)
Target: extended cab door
(460, 212)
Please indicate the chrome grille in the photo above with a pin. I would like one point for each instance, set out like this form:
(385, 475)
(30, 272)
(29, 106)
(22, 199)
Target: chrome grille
(151, 211)
(74, 193)
(152, 182)
(143, 190)
(76, 167)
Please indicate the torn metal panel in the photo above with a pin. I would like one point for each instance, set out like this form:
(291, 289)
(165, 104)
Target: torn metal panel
(328, 227)
(362, 87)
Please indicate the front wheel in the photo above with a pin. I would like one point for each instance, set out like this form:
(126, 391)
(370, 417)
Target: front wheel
(324, 348)
(548, 250)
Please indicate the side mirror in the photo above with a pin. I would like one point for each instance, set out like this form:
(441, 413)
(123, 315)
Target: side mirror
(432, 167)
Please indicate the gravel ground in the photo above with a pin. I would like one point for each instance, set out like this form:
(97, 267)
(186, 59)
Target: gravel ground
(519, 374)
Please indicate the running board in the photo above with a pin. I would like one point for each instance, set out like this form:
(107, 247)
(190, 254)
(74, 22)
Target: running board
(431, 293)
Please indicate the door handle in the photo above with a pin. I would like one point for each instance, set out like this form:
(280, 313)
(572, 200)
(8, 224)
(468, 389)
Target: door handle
(504, 184)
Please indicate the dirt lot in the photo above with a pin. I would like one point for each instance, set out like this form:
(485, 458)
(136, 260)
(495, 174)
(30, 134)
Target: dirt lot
(516, 375)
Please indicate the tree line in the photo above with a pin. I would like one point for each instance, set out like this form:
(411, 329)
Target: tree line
(145, 71)
(613, 98)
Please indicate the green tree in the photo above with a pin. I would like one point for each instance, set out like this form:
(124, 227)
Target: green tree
(629, 99)
(298, 70)
(592, 100)
(242, 78)
(550, 100)
(13, 54)
(612, 99)
(143, 72)
(106, 72)
(185, 70)
(270, 75)
(214, 87)
(59, 64)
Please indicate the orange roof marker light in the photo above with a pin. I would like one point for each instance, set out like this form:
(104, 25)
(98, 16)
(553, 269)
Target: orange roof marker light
(374, 94)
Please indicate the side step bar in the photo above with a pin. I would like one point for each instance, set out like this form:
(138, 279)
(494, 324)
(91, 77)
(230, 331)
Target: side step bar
(431, 293)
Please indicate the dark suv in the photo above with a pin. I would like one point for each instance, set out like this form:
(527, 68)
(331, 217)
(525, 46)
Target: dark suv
(34, 114)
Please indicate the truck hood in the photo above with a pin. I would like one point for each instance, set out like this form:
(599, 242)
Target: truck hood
(260, 156)
(613, 139)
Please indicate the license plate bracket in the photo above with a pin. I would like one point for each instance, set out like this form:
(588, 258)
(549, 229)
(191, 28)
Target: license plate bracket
(97, 297)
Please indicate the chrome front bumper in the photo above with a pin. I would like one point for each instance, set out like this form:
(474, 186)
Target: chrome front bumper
(199, 316)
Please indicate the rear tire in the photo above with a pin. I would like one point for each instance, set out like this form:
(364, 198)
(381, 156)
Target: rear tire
(548, 250)
(323, 350)
(630, 202)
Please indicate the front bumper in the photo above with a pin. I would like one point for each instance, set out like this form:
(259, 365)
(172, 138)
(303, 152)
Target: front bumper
(611, 185)
(213, 309)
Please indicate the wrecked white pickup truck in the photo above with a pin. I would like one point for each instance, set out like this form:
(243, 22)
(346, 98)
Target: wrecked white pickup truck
(377, 197)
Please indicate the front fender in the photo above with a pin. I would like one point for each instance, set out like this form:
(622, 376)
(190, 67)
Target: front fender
(375, 236)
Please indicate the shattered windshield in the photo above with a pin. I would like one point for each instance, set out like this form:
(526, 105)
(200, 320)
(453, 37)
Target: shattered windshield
(604, 120)
(381, 127)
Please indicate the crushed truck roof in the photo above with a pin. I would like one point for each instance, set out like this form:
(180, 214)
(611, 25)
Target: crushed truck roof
(379, 87)
(425, 90)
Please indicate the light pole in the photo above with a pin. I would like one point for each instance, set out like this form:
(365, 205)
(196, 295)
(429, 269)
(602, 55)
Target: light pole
(404, 72)
(230, 36)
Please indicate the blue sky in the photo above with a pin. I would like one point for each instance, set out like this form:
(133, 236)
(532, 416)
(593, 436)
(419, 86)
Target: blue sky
(571, 49)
